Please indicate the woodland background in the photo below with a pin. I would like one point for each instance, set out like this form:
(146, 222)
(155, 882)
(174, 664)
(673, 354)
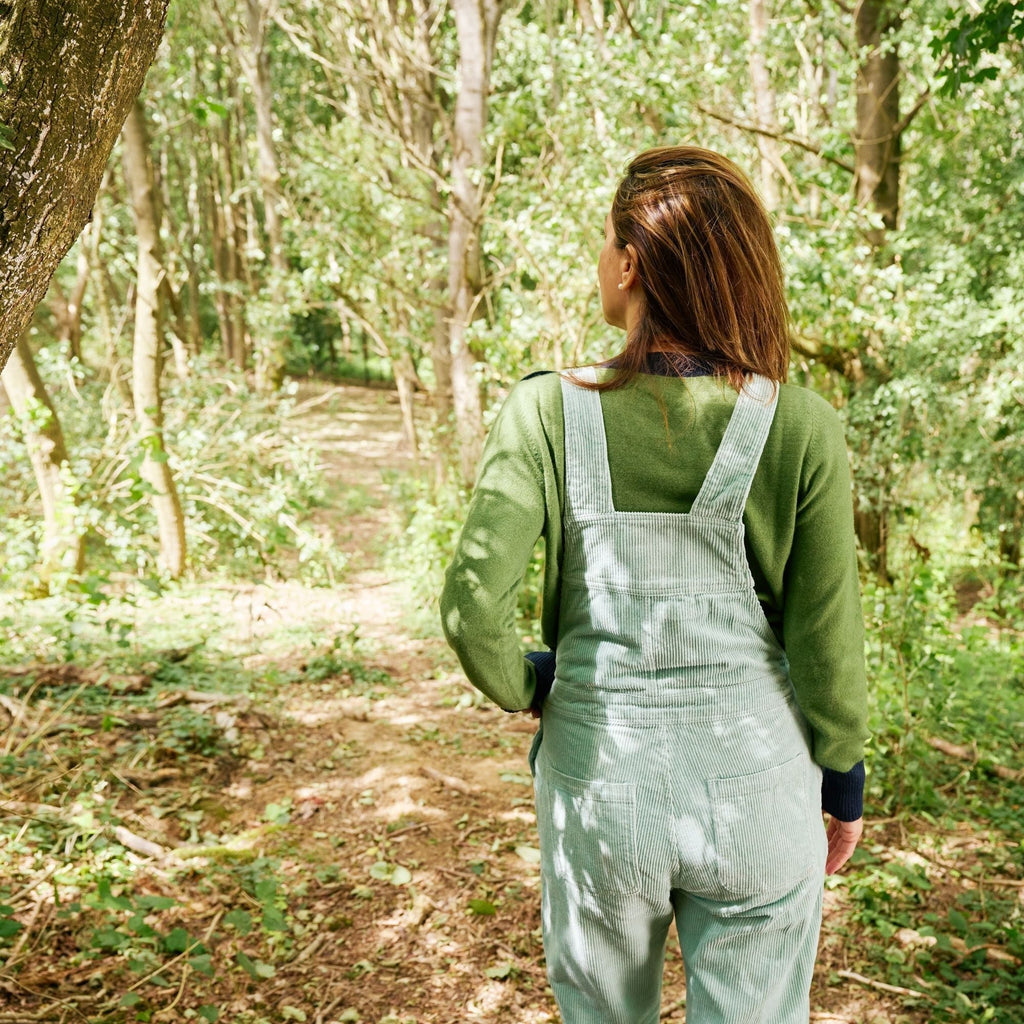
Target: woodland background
(294, 277)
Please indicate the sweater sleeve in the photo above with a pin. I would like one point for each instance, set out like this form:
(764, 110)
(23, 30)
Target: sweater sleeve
(823, 625)
(505, 518)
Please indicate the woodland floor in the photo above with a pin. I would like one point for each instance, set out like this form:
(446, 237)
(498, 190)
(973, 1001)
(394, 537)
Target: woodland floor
(357, 842)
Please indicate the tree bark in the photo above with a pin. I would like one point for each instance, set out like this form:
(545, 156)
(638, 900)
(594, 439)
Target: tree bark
(876, 138)
(63, 546)
(476, 24)
(69, 70)
(147, 350)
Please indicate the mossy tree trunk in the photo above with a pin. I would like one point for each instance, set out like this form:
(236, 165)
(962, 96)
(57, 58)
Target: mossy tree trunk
(69, 70)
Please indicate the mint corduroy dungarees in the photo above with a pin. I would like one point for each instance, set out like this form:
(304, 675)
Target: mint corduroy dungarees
(674, 777)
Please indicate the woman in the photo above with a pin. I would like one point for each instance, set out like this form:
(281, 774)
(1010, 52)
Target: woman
(705, 694)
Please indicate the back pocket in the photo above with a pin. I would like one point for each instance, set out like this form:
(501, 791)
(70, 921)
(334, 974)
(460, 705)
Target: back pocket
(587, 833)
(766, 837)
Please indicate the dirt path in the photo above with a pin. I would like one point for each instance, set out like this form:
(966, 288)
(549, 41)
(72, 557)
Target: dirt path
(437, 912)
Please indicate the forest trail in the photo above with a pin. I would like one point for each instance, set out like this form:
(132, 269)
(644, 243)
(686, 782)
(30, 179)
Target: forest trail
(429, 791)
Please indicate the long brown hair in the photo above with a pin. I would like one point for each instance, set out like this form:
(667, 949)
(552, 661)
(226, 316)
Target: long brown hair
(708, 266)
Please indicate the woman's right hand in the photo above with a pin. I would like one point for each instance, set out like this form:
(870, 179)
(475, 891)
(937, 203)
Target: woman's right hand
(843, 837)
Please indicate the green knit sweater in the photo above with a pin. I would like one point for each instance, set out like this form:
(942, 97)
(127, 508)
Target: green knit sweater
(663, 433)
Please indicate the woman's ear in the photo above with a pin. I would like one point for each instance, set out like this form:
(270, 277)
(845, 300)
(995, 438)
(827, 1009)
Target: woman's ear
(629, 267)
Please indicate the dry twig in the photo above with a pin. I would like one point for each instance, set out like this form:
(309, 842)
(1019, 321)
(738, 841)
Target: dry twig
(881, 986)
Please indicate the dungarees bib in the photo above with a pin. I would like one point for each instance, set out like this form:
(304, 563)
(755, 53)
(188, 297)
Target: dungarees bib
(674, 777)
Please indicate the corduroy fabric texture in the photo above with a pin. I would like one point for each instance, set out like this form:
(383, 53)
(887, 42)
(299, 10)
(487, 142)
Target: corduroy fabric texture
(663, 433)
(673, 769)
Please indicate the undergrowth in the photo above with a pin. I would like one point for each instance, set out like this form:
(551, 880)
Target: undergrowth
(245, 477)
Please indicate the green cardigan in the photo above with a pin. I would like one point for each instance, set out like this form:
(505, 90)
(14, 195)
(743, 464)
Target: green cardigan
(663, 433)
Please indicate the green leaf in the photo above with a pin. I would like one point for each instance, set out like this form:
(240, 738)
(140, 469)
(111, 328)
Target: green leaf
(499, 972)
(957, 920)
(529, 853)
(131, 999)
(247, 965)
(381, 870)
(266, 890)
(202, 964)
(109, 938)
(208, 1012)
(518, 778)
(9, 927)
(485, 908)
(240, 920)
(256, 969)
(293, 1013)
(274, 920)
(156, 902)
(401, 875)
(176, 941)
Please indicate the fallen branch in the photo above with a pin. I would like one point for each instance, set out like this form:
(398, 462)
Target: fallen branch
(970, 754)
(131, 841)
(451, 781)
(881, 985)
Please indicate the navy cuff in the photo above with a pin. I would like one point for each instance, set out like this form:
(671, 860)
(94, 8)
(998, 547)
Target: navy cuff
(842, 793)
(544, 669)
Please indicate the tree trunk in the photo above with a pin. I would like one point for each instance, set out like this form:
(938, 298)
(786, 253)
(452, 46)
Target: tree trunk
(227, 259)
(148, 344)
(254, 57)
(63, 546)
(476, 24)
(764, 103)
(67, 309)
(876, 139)
(69, 70)
(404, 372)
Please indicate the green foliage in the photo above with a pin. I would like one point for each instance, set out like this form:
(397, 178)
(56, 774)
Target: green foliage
(246, 481)
(972, 36)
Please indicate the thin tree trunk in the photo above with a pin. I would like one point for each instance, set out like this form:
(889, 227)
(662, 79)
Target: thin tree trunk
(476, 24)
(764, 103)
(405, 381)
(876, 140)
(67, 309)
(69, 70)
(148, 344)
(253, 56)
(226, 256)
(63, 542)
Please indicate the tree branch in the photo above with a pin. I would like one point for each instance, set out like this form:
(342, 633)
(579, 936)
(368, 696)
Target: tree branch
(774, 133)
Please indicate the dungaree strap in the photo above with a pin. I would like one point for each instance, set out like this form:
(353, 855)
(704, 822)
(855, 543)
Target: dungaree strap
(588, 483)
(723, 495)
